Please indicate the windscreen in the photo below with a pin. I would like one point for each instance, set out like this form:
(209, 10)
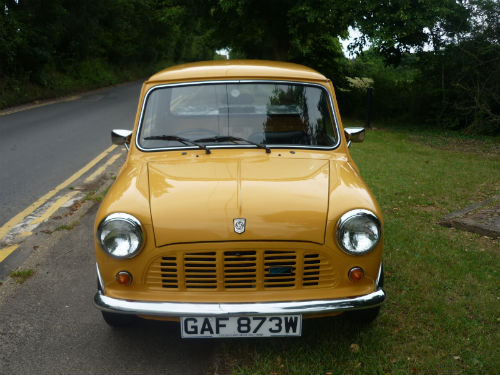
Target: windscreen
(233, 114)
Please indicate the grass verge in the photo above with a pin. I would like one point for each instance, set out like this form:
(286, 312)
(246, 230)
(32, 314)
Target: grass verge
(442, 314)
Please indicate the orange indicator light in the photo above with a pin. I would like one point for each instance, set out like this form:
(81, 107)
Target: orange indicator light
(124, 278)
(356, 274)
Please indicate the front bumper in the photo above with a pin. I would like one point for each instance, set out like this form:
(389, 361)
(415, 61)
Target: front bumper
(177, 309)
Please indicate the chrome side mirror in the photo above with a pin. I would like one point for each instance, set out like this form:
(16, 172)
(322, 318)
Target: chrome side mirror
(354, 135)
(121, 137)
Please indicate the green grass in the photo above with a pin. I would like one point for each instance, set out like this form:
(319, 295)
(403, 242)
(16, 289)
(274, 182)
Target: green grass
(92, 195)
(21, 275)
(67, 227)
(442, 314)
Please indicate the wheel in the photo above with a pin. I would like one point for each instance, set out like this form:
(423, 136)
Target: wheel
(118, 320)
(114, 319)
(363, 317)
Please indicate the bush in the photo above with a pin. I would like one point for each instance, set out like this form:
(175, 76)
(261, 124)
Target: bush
(457, 88)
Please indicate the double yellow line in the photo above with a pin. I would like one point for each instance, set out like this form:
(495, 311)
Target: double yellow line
(5, 252)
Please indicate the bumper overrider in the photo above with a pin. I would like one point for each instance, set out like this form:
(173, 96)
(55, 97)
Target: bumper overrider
(177, 309)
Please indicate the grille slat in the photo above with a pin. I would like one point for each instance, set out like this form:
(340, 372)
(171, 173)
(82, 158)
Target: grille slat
(200, 270)
(167, 271)
(279, 268)
(241, 269)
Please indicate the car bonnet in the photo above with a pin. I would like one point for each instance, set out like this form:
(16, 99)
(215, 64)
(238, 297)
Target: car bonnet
(276, 199)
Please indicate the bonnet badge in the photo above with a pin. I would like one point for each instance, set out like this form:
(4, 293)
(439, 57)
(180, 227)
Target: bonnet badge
(239, 225)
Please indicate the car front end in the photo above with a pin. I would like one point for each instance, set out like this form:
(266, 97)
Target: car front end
(239, 210)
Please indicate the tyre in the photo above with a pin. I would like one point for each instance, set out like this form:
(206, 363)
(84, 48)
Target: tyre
(365, 316)
(118, 320)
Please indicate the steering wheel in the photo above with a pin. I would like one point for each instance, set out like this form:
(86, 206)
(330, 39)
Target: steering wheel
(197, 133)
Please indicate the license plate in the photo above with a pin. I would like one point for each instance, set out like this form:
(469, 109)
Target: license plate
(241, 326)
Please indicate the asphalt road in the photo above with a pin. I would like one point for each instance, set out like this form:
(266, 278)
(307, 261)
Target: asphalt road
(48, 325)
(41, 147)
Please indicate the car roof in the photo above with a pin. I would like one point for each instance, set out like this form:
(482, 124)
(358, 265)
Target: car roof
(236, 69)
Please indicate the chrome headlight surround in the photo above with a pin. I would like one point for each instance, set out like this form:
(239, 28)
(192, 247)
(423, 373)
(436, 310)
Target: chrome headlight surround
(120, 235)
(358, 232)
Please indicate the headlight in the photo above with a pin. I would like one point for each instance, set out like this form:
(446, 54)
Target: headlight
(358, 232)
(120, 235)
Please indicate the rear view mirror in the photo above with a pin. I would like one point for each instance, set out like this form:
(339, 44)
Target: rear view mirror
(354, 135)
(121, 137)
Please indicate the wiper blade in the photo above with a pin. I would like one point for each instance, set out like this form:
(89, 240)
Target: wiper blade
(178, 139)
(229, 138)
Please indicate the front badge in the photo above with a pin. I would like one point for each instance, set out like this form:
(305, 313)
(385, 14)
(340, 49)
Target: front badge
(239, 225)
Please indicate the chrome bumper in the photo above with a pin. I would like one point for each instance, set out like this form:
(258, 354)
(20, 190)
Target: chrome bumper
(217, 309)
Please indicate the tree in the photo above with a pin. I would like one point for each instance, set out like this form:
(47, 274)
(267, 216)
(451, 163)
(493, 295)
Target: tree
(307, 31)
(398, 26)
(289, 30)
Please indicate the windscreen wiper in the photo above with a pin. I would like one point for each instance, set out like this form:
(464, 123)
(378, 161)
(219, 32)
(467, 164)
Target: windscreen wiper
(229, 138)
(178, 139)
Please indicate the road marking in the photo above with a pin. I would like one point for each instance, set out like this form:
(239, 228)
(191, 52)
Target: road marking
(57, 204)
(37, 105)
(6, 251)
(28, 210)
(101, 169)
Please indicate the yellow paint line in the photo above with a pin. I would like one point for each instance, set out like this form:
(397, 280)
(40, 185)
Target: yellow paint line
(25, 234)
(102, 168)
(28, 210)
(37, 105)
(6, 251)
(57, 204)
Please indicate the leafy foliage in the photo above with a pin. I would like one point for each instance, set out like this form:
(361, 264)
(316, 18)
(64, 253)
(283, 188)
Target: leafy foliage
(398, 26)
(37, 35)
(300, 31)
(434, 61)
(462, 86)
(392, 86)
(456, 84)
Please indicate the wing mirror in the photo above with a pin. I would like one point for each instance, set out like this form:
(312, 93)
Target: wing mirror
(354, 135)
(121, 137)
